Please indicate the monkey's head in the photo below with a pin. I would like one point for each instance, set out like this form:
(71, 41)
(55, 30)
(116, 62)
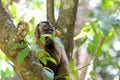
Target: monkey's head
(44, 28)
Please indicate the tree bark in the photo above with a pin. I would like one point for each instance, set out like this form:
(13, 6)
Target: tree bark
(7, 40)
(50, 11)
(66, 23)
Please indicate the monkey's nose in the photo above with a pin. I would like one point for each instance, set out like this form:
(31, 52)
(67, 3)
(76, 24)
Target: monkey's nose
(50, 32)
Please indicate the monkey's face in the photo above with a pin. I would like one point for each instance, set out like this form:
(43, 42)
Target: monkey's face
(44, 28)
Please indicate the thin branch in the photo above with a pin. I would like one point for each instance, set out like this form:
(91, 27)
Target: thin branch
(50, 11)
(98, 47)
(85, 66)
(104, 60)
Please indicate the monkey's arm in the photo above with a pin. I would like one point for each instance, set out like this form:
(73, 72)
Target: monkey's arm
(63, 66)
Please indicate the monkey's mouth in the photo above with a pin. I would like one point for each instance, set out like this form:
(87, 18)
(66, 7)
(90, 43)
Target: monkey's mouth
(49, 32)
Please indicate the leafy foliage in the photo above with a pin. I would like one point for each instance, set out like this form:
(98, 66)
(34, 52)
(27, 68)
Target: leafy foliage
(22, 55)
(18, 46)
(44, 57)
(24, 50)
(101, 41)
(72, 70)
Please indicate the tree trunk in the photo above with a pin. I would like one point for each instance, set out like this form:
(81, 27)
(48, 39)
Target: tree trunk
(7, 40)
(50, 11)
(65, 22)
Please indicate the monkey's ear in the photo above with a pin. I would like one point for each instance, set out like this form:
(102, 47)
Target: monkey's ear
(57, 33)
(37, 33)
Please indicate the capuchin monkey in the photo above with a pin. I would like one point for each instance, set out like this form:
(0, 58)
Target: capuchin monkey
(61, 69)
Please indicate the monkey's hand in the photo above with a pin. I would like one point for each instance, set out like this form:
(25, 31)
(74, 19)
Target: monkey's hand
(22, 30)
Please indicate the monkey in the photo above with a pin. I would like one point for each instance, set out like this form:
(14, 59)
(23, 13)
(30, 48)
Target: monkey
(61, 69)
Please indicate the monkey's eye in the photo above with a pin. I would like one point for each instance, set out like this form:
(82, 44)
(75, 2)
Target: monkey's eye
(51, 29)
(48, 31)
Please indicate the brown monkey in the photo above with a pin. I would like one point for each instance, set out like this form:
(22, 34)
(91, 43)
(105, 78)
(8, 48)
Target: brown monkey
(61, 69)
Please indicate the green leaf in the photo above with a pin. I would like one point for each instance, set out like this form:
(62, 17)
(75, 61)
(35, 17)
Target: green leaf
(86, 28)
(99, 53)
(51, 59)
(18, 46)
(40, 55)
(57, 41)
(13, 9)
(90, 48)
(92, 73)
(109, 37)
(108, 56)
(94, 29)
(21, 55)
(42, 39)
(35, 48)
(46, 35)
(73, 70)
(57, 4)
(80, 35)
(44, 57)
(68, 78)
(37, 4)
(45, 52)
(79, 45)
(4, 1)
(44, 61)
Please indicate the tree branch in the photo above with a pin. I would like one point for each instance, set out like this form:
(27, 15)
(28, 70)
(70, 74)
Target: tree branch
(50, 11)
(7, 40)
(66, 22)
